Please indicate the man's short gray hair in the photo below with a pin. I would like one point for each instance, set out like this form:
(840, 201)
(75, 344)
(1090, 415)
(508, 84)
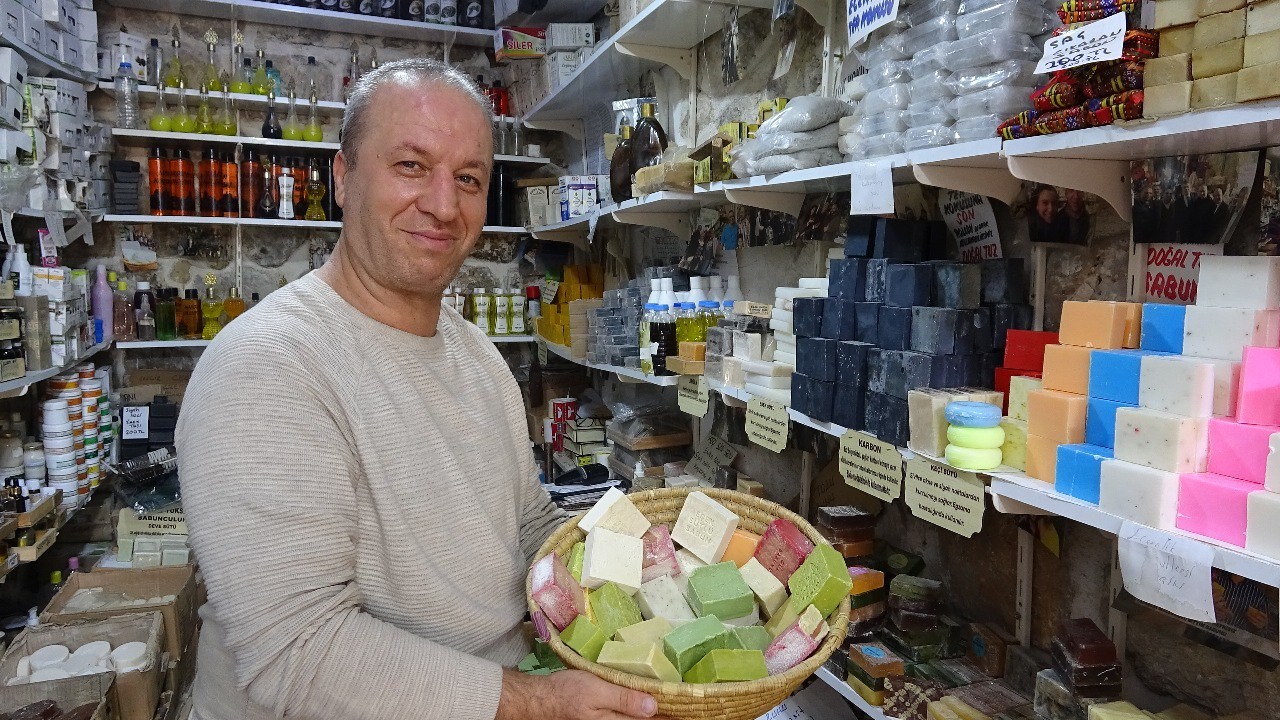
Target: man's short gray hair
(412, 71)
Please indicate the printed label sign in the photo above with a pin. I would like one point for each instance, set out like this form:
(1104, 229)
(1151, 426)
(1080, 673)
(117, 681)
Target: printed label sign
(542, 352)
(1098, 41)
(871, 465)
(549, 290)
(1167, 571)
(713, 454)
(867, 15)
(134, 422)
(972, 223)
(947, 497)
(768, 424)
(1173, 271)
(692, 395)
(871, 186)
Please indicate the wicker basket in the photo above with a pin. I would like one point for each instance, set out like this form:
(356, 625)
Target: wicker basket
(687, 701)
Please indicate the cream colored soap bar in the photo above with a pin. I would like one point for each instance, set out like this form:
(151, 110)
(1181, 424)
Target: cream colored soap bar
(1161, 440)
(1256, 83)
(1214, 92)
(1261, 49)
(767, 588)
(1220, 59)
(615, 512)
(1165, 70)
(1176, 12)
(1213, 7)
(1176, 40)
(1014, 449)
(1217, 29)
(1165, 100)
(1262, 17)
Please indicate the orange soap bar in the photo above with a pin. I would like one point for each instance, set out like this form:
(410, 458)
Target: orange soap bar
(1132, 325)
(865, 579)
(742, 546)
(1093, 324)
(1066, 368)
(1042, 458)
(1056, 416)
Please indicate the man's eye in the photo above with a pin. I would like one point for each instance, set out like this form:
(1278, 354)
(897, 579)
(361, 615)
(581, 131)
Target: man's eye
(469, 179)
(410, 164)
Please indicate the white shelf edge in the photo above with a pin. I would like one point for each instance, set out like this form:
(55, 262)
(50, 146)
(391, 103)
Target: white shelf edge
(632, 373)
(243, 222)
(164, 136)
(160, 344)
(503, 339)
(848, 693)
(505, 229)
(521, 159)
(41, 375)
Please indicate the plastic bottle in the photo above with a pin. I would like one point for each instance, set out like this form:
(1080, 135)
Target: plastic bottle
(646, 337)
(123, 323)
(23, 270)
(277, 80)
(146, 321)
(686, 321)
(166, 315)
(104, 302)
(715, 288)
(668, 296)
(126, 96)
(532, 305)
(501, 312)
(143, 291)
(285, 209)
(480, 310)
(518, 325)
(733, 291)
(655, 292)
(697, 289)
(662, 339)
(155, 64)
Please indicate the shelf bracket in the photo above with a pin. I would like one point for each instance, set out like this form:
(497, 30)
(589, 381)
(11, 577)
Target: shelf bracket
(572, 128)
(817, 8)
(992, 182)
(677, 223)
(679, 60)
(1108, 179)
(789, 203)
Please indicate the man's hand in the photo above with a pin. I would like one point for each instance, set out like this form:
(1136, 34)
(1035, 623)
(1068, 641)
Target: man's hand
(569, 694)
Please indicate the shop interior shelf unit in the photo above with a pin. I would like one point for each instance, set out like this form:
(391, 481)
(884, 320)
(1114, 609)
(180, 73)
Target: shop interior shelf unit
(145, 138)
(40, 64)
(267, 222)
(31, 378)
(509, 339)
(256, 11)
(630, 373)
(160, 344)
(842, 687)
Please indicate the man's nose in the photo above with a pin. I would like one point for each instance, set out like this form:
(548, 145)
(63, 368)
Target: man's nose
(439, 197)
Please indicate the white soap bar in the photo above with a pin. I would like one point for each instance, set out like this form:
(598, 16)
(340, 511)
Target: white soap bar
(1273, 464)
(704, 527)
(785, 315)
(1224, 333)
(1213, 7)
(661, 598)
(615, 512)
(1168, 69)
(1263, 17)
(1139, 493)
(783, 357)
(747, 346)
(682, 481)
(780, 325)
(1217, 91)
(771, 394)
(812, 624)
(1176, 12)
(1256, 83)
(734, 374)
(24, 666)
(1218, 28)
(1164, 100)
(791, 293)
(49, 655)
(1262, 526)
(1232, 281)
(1173, 384)
(751, 618)
(765, 368)
(767, 588)
(815, 283)
(1219, 59)
(612, 557)
(1261, 49)
(1226, 384)
(95, 651)
(770, 381)
(1161, 440)
(786, 343)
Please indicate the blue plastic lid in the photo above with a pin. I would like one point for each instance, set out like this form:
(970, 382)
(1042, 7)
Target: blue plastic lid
(708, 304)
(660, 307)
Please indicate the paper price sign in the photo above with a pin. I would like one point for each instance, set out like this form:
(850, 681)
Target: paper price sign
(871, 186)
(1167, 571)
(134, 421)
(768, 424)
(542, 352)
(949, 498)
(972, 223)
(713, 454)
(863, 16)
(872, 466)
(692, 395)
(1098, 41)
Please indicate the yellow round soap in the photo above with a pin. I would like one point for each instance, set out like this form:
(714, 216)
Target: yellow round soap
(973, 459)
(976, 438)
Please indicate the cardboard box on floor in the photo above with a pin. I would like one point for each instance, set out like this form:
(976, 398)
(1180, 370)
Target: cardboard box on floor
(69, 694)
(135, 694)
(180, 618)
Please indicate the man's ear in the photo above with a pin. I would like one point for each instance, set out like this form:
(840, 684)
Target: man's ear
(340, 179)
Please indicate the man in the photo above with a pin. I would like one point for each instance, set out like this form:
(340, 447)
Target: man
(355, 468)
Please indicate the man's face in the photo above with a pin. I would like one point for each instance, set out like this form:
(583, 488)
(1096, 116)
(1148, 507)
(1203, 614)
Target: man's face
(415, 201)
(1046, 203)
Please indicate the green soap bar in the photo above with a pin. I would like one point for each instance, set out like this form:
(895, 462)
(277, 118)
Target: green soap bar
(785, 617)
(529, 662)
(687, 644)
(545, 655)
(822, 580)
(978, 438)
(929, 671)
(915, 588)
(649, 631)
(914, 653)
(751, 637)
(855, 670)
(720, 590)
(643, 659)
(613, 608)
(870, 597)
(728, 666)
(576, 554)
(584, 638)
(901, 562)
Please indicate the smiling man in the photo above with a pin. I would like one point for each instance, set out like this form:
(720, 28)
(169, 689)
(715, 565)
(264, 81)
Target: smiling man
(355, 468)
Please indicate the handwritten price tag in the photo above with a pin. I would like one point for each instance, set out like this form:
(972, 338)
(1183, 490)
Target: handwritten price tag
(863, 16)
(692, 395)
(1167, 571)
(1096, 42)
(871, 187)
(872, 466)
(542, 352)
(768, 424)
(713, 454)
(972, 223)
(949, 498)
(134, 422)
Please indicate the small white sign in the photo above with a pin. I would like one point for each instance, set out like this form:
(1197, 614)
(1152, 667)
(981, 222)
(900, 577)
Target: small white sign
(863, 16)
(1098, 41)
(1167, 571)
(972, 223)
(134, 421)
(871, 188)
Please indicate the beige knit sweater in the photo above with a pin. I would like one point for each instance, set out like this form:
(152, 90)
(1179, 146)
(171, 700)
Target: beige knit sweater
(364, 505)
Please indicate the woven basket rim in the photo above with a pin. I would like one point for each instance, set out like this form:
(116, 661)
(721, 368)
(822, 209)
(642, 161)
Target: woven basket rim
(837, 621)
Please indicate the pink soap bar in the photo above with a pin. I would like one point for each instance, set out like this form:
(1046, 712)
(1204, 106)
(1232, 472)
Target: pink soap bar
(540, 625)
(1239, 451)
(789, 649)
(659, 554)
(1214, 506)
(1259, 398)
(782, 549)
(557, 594)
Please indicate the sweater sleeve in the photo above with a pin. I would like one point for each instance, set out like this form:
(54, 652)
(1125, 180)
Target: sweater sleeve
(269, 479)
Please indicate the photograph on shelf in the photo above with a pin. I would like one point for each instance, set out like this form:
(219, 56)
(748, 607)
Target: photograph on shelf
(823, 217)
(1059, 216)
(1269, 234)
(1191, 199)
(713, 244)
(758, 227)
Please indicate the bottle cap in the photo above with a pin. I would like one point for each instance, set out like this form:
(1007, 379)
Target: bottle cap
(708, 304)
(73, 563)
(55, 577)
(193, 294)
(234, 292)
(660, 307)
(143, 285)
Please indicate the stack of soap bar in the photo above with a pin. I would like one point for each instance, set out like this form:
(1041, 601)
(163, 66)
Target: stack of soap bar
(873, 662)
(957, 285)
(846, 523)
(612, 557)
(719, 590)
(1066, 368)
(1086, 659)
(867, 598)
(927, 421)
(822, 580)
(648, 631)
(1094, 324)
(1024, 349)
(1239, 282)
(1224, 333)
(638, 658)
(1162, 327)
(613, 608)
(847, 279)
(1135, 492)
(704, 527)
(1055, 418)
(1239, 451)
(1177, 385)
(1161, 440)
(742, 546)
(1262, 533)
(689, 643)
(584, 638)
(988, 647)
(662, 598)
(557, 594)
(908, 698)
(908, 285)
(1214, 506)
(1259, 397)
(1116, 375)
(914, 603)
(783, 547)
(615, 511)
(728, 665)
(659, 554)
(974, 436)
(1079, 472)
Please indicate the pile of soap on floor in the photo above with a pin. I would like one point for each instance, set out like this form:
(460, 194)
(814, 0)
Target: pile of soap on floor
(58, 662)
(714, 609)
(50, 710)
(803, 135)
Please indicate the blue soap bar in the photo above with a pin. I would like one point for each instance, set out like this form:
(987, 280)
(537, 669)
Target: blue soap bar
(908, 285)
(816, 357)
(1079, 472)
(806, 316)
(877, 270)
(848, 408)
(1100, 421)
(867, 323)
(1004, 281)
(1008, 317)
(847, 279)
(839, 319)
(924, 370)
(957, 285)
(967, 413)
(895, 328)
(1162, 327)
(859, 238)
(980, 321)
(1114, 374)
(851, 362)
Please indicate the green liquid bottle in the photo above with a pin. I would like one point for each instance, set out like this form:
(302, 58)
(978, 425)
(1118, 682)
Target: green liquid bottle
(183, 120)
(313, 131)
(204, 113)
(166, 316)
(244, 80)
(161, 120)
(292, 129)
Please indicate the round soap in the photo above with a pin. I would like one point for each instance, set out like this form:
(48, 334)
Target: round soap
(967, 413)
(48, 655)
(991, 438)
(129, 656)
(95, 651)
(971, 459)
(51, 673)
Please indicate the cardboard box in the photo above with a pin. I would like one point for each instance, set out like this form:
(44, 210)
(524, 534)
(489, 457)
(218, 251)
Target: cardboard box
(570, 36)
(520, 43)
(558, 67)
(14, 17)
(69, 694)
(179, 614)
(134, 694)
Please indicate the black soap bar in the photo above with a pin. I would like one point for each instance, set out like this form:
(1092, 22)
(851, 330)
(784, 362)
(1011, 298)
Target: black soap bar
(895, 328)
(906, 240)
(800, 393)
(1004, 281)
(908, 285)
(822, 400)
(839, 319)
(935, 330)
(867, 322)
(876, 363)
(806, 316)
(957, 371)
(1008, 317)
(848, 279)
(895, 373)
(923, 370)
(859, 239)
(877, 269)
(886, 417)
(847, 410)
(987, 363)
(980, 321)
(939, 240)
(957, 285)
(816, 358)
(851, 362)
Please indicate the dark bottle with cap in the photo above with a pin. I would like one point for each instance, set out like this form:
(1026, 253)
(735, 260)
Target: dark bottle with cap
(648, 140)
(188, 315)
(620, 167)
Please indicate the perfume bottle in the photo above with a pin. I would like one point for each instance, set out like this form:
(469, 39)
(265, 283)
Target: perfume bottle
(212, 78)
(315, 196)
(620, 167)
(204, 113)
(353, 73)
(271, 124)
(292, 129)
(166, 317)
(188, 315)
(224, 123)
(173, 70)
(313, 71)
(261, 83)
(313, 131)
(161, 120)
(648, 140)
(237, 57)
(211, 309)
(244, 79)
(233, 306)
(266, 205)
(183, 120)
